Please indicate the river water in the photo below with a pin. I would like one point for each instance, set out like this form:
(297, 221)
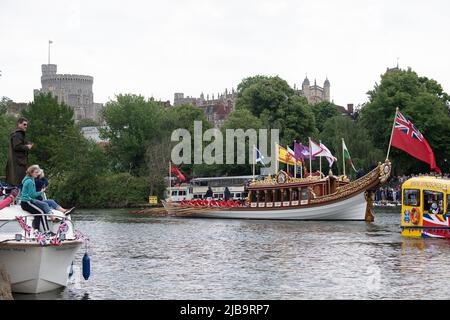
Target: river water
(143, 257)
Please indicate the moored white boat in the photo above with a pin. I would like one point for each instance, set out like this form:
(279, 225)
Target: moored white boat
(36, 264)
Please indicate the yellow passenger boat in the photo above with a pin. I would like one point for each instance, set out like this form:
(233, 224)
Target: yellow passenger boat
(426, 207)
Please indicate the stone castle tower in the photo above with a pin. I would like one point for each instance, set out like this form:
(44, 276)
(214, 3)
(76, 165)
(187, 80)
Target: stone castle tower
(71, 89)
(315, 93)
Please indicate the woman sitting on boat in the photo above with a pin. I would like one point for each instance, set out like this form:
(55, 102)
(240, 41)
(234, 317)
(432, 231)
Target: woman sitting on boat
(41, 182)
(30, 202)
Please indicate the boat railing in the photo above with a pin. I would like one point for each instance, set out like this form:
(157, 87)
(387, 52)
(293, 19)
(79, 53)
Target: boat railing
(374, 177)
(43, 215)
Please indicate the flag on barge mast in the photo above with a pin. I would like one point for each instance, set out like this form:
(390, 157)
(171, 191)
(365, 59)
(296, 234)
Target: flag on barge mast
(346, 156)
(405, 136)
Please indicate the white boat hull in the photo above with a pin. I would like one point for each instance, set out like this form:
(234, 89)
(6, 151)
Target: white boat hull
(353, 208)
(34, 268)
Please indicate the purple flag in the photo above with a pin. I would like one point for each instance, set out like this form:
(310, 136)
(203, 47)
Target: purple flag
(301, 151)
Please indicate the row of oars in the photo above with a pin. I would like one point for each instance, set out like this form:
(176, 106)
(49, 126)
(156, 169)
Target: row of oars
(181, 210)
(190, 210)
(157, 211)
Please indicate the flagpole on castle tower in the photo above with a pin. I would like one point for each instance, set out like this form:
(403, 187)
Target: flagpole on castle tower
(49, 43)
(392, 133)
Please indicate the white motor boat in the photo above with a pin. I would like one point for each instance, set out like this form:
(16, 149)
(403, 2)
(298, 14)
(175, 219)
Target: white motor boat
(35, 262)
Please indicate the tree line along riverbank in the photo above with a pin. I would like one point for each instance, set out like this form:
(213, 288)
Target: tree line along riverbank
(134, 162)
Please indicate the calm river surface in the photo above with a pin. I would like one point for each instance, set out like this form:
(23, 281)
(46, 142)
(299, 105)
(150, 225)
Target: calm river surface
(142, 257)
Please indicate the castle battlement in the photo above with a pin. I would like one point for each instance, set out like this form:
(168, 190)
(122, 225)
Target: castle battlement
(67, 77)
(75, 90)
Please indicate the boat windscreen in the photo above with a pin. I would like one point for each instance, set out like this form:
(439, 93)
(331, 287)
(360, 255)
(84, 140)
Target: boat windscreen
(411, 197)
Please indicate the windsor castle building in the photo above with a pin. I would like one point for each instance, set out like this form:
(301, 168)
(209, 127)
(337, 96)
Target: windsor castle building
(71, 89)
(314, 93)
(218, 107)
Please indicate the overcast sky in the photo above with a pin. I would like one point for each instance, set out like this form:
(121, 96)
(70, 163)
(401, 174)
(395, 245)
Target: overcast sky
(156, 48)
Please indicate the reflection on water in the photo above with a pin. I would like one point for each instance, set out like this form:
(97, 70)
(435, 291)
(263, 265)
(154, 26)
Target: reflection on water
(140, 257)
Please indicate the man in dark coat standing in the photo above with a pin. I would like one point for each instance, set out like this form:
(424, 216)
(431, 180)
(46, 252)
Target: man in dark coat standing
(16, 165)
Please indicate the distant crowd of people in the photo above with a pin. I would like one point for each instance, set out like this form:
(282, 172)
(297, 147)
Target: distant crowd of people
(392, 191)
(389, 193)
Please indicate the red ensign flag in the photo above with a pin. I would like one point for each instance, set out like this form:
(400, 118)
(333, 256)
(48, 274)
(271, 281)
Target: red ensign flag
(408, 138)
(178, 173)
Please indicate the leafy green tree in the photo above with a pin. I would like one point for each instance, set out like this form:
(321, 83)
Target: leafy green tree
(242, 119)
(53, 133)
(295, 120)
(132, 122)
(7, 125)
(139, 132)
(87, 123)
(238, 119)
(323, 111)
(262, 93)
(420, 98)
(183, 117)
(359, 143)
(4, 102)
(277, 105)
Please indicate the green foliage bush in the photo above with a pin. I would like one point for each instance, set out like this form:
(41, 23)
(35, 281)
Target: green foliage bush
(106, 191)
(7, 125)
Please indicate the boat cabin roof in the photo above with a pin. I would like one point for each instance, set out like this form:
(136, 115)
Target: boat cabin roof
(428, 182)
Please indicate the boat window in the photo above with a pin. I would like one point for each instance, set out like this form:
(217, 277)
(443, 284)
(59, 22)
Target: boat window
(304, 193)
(448, 203)
(174, 193)
(294, 194)
(287, 195)
(411, 197)
(433, 201)
(269, 196)
(262, 196)
(182, 192)
(277, 195)
(253, 196)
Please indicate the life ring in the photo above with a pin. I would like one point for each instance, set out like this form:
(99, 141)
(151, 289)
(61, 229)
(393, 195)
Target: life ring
(414, 215)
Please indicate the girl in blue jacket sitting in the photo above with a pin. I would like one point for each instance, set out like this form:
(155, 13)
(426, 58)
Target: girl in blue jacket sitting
(32, 198)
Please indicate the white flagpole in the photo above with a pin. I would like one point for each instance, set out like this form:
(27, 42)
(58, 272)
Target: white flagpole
(343, 158)
(288, 156)
(310, 156)
(392, 133)
(295, 168)
(320, 157)
(276, 158)
(301, 169)
(170, 180)
(254, 161)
